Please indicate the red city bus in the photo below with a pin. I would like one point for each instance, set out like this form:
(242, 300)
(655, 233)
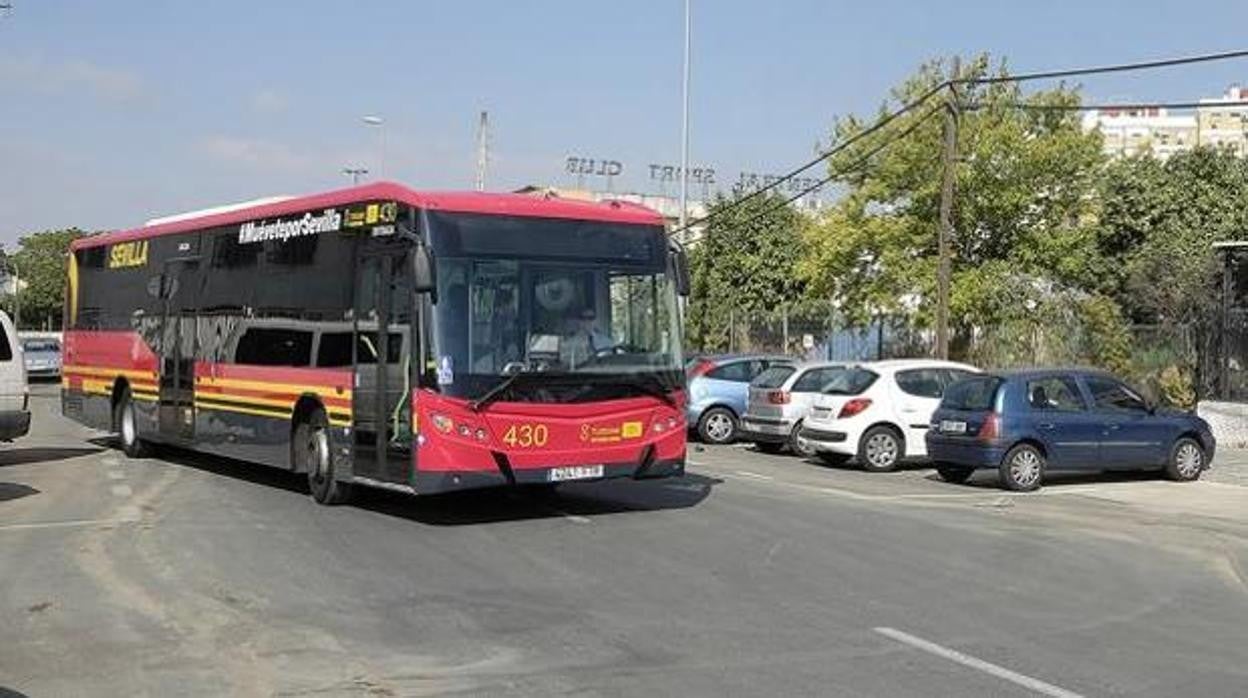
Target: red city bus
(380, 336)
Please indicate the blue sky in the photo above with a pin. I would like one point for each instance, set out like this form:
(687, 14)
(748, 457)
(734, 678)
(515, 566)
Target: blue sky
(114, 112)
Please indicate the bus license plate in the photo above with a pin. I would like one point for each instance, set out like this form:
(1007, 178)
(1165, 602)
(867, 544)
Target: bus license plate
(575, 472)
(952, 427)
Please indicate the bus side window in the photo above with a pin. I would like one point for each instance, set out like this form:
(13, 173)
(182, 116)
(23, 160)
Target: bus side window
(265, 346)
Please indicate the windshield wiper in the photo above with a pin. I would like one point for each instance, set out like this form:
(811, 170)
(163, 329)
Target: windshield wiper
(493, 394)
(647, 384)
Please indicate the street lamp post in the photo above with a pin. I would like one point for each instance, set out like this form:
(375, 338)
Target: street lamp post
(380, 124)
(355, 173)
(684, 135)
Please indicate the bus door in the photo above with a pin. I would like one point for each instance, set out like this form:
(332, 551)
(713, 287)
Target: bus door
(383, 320)
(177, 350)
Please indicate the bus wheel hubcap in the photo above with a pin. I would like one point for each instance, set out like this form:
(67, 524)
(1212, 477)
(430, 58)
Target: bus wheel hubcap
(127, 424)
(318, 453)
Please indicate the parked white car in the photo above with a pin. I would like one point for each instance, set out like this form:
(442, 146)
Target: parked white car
(14, 391)
(886, 420)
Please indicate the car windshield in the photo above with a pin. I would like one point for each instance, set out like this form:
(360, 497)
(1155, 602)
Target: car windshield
(975, 394)
(556, 297)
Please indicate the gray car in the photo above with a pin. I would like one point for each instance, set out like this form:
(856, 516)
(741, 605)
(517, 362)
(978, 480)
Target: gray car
(779, 400)
(43, 357)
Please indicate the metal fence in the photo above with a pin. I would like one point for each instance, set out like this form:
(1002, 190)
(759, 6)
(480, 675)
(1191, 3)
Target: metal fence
(1175, 364)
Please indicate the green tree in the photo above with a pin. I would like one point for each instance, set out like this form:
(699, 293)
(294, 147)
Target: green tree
(744, 263)
(40, 262)
(1024, 228)
(1157, 223)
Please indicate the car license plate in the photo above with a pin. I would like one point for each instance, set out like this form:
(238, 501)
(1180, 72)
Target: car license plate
(575, 472)
(952, 427)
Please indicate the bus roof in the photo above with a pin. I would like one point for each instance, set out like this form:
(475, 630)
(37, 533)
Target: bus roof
(456, 201)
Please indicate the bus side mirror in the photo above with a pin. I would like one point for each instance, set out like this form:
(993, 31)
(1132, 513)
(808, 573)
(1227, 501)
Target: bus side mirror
(680, 263)
(424, 280)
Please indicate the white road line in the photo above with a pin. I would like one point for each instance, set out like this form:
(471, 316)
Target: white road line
(755, 476)
(122, 491)
(953, 655)
(78, 523)
(116, 475)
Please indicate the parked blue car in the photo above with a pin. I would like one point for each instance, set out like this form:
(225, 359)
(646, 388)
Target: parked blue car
(1025, 423)
(719, 388)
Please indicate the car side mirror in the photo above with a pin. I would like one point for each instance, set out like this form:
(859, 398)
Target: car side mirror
(424, 276)
(680, 265)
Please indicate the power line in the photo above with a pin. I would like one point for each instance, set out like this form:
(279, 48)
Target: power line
(1120, 68)
(887, 119)
(1108, 107)
(855, 168)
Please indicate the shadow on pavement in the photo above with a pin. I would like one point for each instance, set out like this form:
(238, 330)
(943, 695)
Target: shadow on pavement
(13, 490)
(20, 456)
(10, 693)
(987, 479)
(472, 506)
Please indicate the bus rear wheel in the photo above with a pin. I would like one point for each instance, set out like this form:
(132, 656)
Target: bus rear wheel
(127, 425)
(312, 454)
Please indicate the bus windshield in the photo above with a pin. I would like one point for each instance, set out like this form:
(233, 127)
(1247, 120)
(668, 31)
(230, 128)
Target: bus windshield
(589, 305)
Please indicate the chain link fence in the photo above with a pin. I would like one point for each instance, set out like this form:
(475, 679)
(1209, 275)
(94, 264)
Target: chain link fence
(1174, 364)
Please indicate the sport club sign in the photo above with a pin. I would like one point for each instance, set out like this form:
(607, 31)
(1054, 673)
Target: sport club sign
(702, 175)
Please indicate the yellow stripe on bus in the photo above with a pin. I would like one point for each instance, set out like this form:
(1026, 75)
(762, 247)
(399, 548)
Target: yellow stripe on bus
(105, 372)
(273, 414)
(266, 385)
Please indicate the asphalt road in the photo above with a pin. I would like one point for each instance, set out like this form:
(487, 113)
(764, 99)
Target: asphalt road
(754, 576)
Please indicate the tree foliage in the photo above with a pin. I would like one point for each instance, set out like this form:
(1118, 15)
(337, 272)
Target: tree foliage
(1157, 223)
(745, 263)
(1022, 220)
(40, 261)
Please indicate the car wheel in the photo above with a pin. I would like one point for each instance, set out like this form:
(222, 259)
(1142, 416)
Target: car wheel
(313, 455)
(797, 445)
(769, 447)
(717, 425)
(880, 449)
(1187, 460)
(955, 474)
(1022, 469)
(127, 425)
(835, 460)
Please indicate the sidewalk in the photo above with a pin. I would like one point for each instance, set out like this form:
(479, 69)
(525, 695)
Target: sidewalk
(1230, 466)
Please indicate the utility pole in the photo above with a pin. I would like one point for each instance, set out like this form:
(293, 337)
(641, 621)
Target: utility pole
(949, 160)
(355, 173)
(483, 149)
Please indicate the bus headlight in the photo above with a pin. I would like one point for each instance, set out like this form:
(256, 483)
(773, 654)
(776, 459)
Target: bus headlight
(442, 423)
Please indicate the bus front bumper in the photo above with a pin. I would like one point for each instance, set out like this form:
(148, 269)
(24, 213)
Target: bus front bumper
(436, 481)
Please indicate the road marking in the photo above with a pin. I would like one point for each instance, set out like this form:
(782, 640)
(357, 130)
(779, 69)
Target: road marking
(116, 475)
(755, 476)
(966, 660)
(122, 491)
(77, 523)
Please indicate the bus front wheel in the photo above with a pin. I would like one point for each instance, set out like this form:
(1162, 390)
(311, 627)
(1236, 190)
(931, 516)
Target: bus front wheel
(313, 456)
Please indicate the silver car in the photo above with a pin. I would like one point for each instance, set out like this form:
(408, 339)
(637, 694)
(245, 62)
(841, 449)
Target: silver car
(779, 400)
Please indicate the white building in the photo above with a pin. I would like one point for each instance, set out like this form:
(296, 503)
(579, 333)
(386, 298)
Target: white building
(1222, 122)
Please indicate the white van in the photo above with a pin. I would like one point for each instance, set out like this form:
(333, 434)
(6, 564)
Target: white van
(14, 392)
